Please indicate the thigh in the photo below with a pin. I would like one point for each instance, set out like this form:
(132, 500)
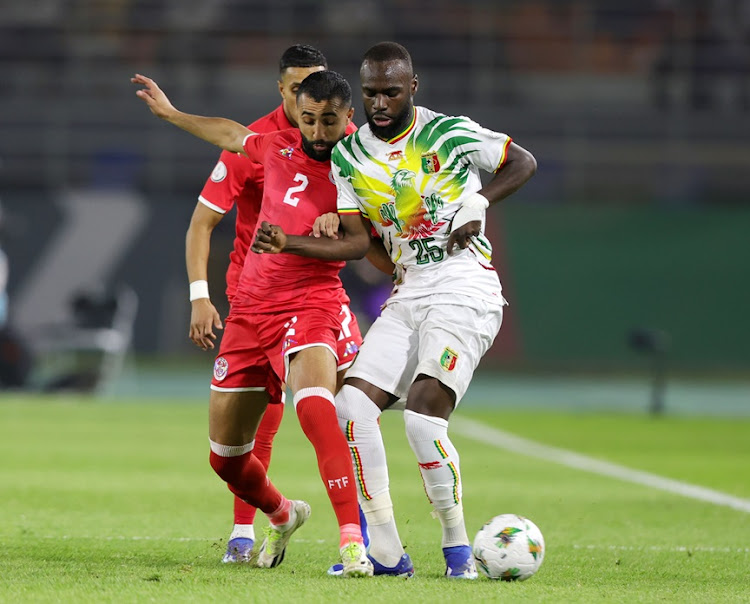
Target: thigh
(453, 339)
(307, 329)
(233, 417)
(242, 364)
(388, 356)
(312, 367)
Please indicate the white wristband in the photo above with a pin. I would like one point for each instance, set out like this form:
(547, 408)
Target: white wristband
(198, 289)
(472, 208)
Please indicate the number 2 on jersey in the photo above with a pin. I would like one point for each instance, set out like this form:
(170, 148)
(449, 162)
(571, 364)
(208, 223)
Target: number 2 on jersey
(289, 197)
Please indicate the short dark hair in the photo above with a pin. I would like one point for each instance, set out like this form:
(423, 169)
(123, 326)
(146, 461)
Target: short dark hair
(326, 85)
(302, 55)
(388, 51)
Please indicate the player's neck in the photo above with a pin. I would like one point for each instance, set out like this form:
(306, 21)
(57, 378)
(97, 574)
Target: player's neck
(290, 119)
(404, 125)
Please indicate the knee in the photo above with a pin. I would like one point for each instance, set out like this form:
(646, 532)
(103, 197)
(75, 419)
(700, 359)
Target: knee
(223, 466)
(228, 461)
(352, 404)
(429, 396)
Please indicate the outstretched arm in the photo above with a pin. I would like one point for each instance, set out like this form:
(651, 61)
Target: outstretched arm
(352, 245)
(218, 131)
(519, 167)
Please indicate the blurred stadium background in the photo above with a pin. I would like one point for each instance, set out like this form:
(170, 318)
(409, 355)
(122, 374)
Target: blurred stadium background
(631, 238)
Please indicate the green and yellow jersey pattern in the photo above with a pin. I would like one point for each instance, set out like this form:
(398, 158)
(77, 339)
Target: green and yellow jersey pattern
(411, 186)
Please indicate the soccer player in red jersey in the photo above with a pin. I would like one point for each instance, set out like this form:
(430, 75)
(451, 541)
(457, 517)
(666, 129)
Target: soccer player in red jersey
(284, 322)
(235, 181)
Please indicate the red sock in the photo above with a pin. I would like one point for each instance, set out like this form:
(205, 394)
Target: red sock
(317, 417)
(246, 477)
(244, 513)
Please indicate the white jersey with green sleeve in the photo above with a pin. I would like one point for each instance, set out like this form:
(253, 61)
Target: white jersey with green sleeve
(411, 186)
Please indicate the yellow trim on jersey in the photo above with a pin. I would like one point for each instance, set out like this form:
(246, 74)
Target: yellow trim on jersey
(504, 155)
(349, 211)
(398, 137)
(481, 251)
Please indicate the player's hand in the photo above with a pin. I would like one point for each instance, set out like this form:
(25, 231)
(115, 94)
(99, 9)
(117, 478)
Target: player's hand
(203, 320)
(463, 234)
(153, 96)
(467, 221)
(270, 239)
(326, 225)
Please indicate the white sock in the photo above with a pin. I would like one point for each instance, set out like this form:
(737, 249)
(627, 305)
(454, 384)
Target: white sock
(385, 543)
(441, 474)
(358, 419)
(245, 531)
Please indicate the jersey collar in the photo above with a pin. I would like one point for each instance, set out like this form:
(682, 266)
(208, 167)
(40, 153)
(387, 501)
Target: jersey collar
(409, 128)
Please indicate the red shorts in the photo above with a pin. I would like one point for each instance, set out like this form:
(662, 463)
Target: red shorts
(350, 338)
(254, 346)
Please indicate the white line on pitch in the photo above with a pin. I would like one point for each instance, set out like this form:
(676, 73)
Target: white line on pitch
(504, 440)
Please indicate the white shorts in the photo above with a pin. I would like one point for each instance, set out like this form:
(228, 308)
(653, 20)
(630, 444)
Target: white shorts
(443, 336)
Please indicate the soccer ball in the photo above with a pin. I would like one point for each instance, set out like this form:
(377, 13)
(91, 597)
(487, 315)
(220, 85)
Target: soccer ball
(509, 547)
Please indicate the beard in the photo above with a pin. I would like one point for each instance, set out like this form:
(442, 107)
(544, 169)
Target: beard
(318, 155)
(397, 126)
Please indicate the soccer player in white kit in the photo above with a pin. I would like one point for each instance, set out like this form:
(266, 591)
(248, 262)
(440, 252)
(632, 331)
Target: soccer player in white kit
(414, 174)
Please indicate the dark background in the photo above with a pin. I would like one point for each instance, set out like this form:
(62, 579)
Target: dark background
(638, 114)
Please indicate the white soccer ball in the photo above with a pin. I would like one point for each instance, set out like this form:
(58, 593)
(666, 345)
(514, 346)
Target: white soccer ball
(509, 547)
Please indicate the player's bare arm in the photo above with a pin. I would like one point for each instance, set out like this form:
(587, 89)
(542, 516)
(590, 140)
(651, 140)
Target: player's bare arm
(353, 243)
(204, 317)
(518, 168)
(379, 257)
(327, 225)
(218, 131)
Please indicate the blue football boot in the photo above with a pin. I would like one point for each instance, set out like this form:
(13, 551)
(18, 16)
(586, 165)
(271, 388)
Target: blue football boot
(238, 550)
(459, 562)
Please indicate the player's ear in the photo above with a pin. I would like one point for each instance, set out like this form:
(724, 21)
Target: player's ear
(350, 113)
(414, 84)
(281, 88)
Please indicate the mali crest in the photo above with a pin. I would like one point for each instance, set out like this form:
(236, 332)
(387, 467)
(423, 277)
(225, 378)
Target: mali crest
(448, 359)
(430, 162)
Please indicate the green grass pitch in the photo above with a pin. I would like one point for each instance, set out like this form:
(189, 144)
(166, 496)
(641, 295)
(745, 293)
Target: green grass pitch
(115, 502)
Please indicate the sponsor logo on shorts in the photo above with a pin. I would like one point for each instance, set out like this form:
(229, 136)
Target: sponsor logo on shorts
(351, 349)
(219, 173)
(221, 368)
(448, 359)
(288, 343)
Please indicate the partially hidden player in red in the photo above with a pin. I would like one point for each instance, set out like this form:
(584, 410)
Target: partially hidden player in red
(237, 182)
(284, 323)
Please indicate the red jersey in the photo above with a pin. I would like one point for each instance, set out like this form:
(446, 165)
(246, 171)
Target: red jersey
(237, 180)
(296, 191)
